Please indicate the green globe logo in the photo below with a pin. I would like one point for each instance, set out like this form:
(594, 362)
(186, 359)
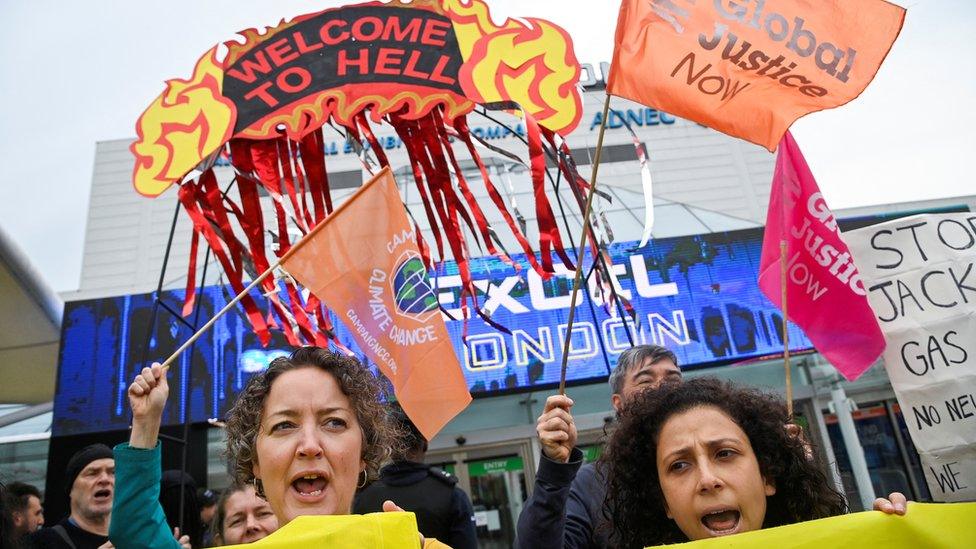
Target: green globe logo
(412, 293)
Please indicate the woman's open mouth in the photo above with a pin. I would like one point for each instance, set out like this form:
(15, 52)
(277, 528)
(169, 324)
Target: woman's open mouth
(722, 523)
(310, 487)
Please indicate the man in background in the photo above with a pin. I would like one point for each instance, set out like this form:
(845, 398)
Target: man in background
(568, 499)
(443, 510)
(207, 499)
(89, 482)
(26, 509)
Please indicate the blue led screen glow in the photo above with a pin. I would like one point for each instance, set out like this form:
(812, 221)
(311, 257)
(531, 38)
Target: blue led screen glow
(695, 295)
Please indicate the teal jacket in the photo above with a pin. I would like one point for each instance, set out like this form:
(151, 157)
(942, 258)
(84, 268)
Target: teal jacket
(138, 520)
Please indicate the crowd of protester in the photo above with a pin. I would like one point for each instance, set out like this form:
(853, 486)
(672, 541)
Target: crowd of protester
(313, 434)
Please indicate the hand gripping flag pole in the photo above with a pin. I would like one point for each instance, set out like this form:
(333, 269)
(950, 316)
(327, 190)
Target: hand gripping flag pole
(582, 245)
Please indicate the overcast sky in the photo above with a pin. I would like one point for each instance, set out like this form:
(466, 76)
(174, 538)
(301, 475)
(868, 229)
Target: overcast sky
(74, 73)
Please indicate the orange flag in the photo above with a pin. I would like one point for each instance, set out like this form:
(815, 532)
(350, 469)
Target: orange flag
(749, 69)
(363, 262)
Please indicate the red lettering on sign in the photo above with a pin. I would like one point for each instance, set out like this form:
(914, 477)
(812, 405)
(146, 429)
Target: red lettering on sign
(361, 62)
(435, 33)
(289, 85)
(249, 68)
(387, 57)
(261, 92)
(399, 33)
(302, 46)
(329, 39)
(280, 52)
(437, 75)
(375, 31)
(411, 68)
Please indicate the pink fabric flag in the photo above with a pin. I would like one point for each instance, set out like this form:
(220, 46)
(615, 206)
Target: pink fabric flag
(825, 295)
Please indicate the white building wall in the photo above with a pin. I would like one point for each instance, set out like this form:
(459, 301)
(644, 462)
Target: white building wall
(126, 234)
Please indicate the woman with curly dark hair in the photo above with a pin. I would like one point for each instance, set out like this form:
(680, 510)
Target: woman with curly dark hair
(305, 433)
(268, 440)
(705, 458)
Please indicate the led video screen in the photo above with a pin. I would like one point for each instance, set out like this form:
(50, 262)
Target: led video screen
(696, 295)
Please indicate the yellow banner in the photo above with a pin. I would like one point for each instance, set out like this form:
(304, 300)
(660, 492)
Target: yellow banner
(929, 525)
(379, 530)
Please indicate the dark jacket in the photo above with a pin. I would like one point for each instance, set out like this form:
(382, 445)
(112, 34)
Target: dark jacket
(49, 538)
(443, 510)
(566, 507)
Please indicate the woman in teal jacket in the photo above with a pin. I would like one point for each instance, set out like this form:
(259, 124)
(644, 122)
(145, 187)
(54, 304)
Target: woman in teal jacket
(138, 520)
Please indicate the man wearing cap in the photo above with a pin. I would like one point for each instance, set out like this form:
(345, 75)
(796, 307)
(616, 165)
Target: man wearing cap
(90, 485)
(208, 508)
(26, 508)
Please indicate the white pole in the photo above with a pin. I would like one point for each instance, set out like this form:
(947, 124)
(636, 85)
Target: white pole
(862, 479)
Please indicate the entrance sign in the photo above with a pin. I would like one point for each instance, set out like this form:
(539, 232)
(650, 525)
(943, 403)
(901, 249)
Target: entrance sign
(920, 273)
(749, 69)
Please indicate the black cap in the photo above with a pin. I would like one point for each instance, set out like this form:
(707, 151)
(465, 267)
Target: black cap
(81, 459)
(206, 497)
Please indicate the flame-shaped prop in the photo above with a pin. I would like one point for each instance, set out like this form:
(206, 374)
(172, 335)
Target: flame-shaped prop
(419, 67)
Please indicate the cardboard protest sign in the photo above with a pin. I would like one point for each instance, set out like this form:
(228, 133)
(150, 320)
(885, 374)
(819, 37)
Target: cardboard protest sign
(924, 525)
(920, 273)
(749, 69)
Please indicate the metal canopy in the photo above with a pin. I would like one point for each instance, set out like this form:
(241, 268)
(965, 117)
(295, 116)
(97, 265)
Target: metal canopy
(30, 329)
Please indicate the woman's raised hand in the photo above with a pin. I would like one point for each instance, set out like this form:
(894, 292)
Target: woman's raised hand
(147, 398)
(896, 504)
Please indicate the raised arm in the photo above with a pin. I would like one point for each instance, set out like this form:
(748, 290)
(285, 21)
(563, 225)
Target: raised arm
(138, 520)
(544, 521)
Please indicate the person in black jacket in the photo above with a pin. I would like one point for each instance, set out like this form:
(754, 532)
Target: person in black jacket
(443, 510)
(90, 485)
(567, 507)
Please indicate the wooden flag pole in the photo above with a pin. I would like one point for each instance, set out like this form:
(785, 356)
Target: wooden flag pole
(222, 312)
(786, 335)
(582, 245)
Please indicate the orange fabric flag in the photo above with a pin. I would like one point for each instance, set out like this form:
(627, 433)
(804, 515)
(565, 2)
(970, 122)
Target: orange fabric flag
(363, 262)
(749, 68)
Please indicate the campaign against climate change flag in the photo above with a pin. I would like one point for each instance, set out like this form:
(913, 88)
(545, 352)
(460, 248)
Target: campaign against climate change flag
(821, 276)
(749, 69)
(363, 262)
(920, 275)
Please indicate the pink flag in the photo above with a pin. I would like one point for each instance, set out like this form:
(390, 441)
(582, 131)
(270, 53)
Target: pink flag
(825, 295)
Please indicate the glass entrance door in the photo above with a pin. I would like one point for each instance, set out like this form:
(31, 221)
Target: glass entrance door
(497, 493)
(891, 458)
